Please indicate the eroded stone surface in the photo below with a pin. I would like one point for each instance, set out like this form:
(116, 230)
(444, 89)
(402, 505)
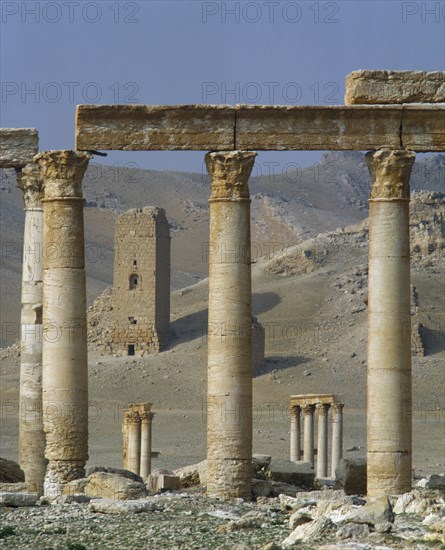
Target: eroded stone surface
(18, 146)
(381, 87)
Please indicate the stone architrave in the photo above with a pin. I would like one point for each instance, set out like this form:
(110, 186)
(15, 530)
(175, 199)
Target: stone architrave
(389, 392)
(65, 365)
(31, 435)
(229, 392)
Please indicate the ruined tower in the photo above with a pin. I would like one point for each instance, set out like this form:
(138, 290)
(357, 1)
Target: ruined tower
(141, 292)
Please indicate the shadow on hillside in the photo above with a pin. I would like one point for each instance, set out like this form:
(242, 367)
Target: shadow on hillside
(279, 363)
(194, 326)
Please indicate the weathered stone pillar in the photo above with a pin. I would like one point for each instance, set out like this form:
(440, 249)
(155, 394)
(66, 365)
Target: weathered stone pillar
(229, 392)
(134, 442)
(389, 325)
(65, 366)
(322, 440)
(337, 436)
(31, 435)
(146, 422)
(295, 433)
(308, 433)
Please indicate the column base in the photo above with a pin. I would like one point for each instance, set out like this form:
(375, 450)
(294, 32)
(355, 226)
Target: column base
(229, 479)
(58, 474)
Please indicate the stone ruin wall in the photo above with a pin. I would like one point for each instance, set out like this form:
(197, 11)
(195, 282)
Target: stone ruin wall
(141, 291)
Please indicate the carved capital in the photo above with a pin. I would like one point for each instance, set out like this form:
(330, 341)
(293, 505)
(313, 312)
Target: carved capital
(337, 408)
(322, 409)
(295, 411)
(390, 172)
(229, 172)
(30, 181)
(147, 417)
(308, 409)
(62, 172)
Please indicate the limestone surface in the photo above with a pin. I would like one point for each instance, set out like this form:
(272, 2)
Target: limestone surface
(382, 87)
(18, 146)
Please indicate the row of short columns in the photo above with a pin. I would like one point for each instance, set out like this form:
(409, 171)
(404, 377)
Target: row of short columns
(322, 435)
(229, 428)
(137, 432)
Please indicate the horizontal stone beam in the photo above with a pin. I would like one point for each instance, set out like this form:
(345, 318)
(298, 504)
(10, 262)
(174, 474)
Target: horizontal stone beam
(389, 87)
(417, 127)
(311, 399)
(18, 146)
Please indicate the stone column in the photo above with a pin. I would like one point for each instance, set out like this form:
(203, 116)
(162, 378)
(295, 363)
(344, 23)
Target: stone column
(31, 435)
(146, 422)
(308, 433)
(295, 433)
(134, 442)
(65, 366)
(337, 436)
(229, 392)
(389, 325)
(322, 440)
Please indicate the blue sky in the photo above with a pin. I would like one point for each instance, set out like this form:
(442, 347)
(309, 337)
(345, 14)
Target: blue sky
(56, 54)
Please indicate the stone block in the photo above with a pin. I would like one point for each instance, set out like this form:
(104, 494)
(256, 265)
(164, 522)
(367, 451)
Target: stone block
(18, 146)
(390, 87)
(105, 485)
(298, 473)
(10, 471)
(378, 510)
(16, 500)
(119, 471)
(350, 475)
(116, 507)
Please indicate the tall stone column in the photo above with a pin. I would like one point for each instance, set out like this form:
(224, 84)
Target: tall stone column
(308, 433)
(389, 325)
(65, 366)
(146, 423)
(322, 440)
(295, 433)
(337, 436)
(229, 391)
(31, 435)
(134, 442)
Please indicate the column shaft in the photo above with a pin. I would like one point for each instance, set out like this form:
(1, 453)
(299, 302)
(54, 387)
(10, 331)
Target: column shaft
(134, 443)
(389, 325)
(65, 366)
(322, 440)
(31, 435)
(308, 433)
(337, 436)
(146, 436)
(229, 397)
(295, 434)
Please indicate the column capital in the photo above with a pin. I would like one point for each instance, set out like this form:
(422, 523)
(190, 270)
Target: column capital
(30, 181)
(147, 417)
(131, 417)
(295, 410)
(390, 173)
(337, 407)
(62, 172)
(308, 409)
(322, 408)
(229, 172)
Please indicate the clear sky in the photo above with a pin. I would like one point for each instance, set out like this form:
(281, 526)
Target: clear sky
(56, 54)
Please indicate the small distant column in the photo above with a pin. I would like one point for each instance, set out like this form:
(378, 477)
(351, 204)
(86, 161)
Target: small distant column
(337, 435)
(134, 441)
(295, 433)
(146, 423)
(322, 443)
(308, 433)
(65, 363)
(31, 435)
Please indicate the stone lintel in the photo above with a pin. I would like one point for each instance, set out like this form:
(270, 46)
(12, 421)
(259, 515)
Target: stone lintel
(389, 87)
(312, 399)
(18, 146)
(155, 127)
(416, 127)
